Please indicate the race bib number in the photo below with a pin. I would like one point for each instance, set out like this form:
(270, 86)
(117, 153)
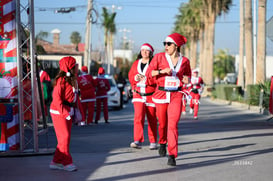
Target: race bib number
(171, 83)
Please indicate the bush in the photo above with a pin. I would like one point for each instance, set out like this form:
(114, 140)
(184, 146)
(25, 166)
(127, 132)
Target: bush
(228, 92)
(254, 93)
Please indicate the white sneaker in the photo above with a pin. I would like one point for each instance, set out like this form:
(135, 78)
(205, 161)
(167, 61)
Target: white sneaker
(195, 117)
(56, 166)
(71, 167)
(191, 111)
(135, 144)
(81, 123)
(153, 146)
(183, 113)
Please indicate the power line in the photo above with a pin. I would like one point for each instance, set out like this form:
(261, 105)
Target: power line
(134, 23)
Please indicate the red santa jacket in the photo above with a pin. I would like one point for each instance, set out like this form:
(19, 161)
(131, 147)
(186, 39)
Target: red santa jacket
(142, 90)
(160, 62)
(87, 86)
(63, 95)
(44, 76)
(197, 85)
(103, 86)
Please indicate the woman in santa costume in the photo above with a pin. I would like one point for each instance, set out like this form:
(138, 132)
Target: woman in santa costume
(87, 86)
(142, 98)
(197, 87)
(103, 87)
(171, 70)
(65, 98)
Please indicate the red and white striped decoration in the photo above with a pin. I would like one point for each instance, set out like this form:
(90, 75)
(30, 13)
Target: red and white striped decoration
(8, 67)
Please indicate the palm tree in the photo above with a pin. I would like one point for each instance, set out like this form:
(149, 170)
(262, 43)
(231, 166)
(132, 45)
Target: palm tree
(224, 63)
(75, 38)
(211, 9)
(249, 42)
(242, 45)
(109, 28)
(188, 23)
(261, 45)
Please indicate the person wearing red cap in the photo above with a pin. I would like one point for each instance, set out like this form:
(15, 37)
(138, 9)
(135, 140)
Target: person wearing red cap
(65, 99)
(87, 86)
(171, 70)
(46, 87)
(197, 86)
(103, 86)
(142, 98)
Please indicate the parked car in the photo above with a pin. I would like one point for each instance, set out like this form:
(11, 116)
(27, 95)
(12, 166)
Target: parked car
(113, 94)
(230, 78)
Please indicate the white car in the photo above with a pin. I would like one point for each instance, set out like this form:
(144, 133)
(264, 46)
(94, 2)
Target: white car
(113, 93)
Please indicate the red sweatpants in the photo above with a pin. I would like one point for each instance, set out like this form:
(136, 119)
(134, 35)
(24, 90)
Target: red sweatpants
(89, 107)
(168, 117)
(194, 104)
(105, 108)
(63, 133)
(139, 118)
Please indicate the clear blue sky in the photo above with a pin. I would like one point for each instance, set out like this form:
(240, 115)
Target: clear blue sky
(148, 21)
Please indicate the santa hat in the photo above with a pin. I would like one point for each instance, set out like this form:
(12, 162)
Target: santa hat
(66, 64)
(147, 46)
(101, 71)
(176, 38)
(195, 70)
(85, 69)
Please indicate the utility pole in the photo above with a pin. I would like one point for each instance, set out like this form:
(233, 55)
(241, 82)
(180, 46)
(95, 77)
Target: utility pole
(254, 39)
(88, 24)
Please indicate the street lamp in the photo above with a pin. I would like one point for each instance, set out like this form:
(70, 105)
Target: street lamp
(124, 38)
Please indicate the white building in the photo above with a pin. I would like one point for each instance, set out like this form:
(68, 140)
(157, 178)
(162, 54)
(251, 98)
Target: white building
(125, 54)
(268, 65)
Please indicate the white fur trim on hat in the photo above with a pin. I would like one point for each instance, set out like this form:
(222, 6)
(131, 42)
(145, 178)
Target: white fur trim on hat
(169, 39)
(68, 74)
(145, 47)
(195, 70)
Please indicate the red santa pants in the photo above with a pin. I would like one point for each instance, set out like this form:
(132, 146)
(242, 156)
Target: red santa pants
(194, 104)
(89, 107)
(168, 115)
(63, 133)
(140, 110)
(105, 108)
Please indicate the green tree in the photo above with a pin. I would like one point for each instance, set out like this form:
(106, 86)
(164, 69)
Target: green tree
(189, 24)
(41, 35)
(224, 63)
(109, 30)
(212, 9)
(75, 38)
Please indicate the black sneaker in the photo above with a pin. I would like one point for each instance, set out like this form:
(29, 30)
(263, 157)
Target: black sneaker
(106, 121)
(171, 160)
(96, 121)
(162, 150)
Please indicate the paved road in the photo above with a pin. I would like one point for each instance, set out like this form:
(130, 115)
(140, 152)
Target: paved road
(226, 143)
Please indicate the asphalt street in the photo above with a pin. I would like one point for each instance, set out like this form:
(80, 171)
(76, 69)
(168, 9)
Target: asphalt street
(226, 143)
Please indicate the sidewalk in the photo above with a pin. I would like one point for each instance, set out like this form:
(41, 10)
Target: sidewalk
(226, 143)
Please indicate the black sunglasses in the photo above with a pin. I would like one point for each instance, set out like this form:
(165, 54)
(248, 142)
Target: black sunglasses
(167, 43)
